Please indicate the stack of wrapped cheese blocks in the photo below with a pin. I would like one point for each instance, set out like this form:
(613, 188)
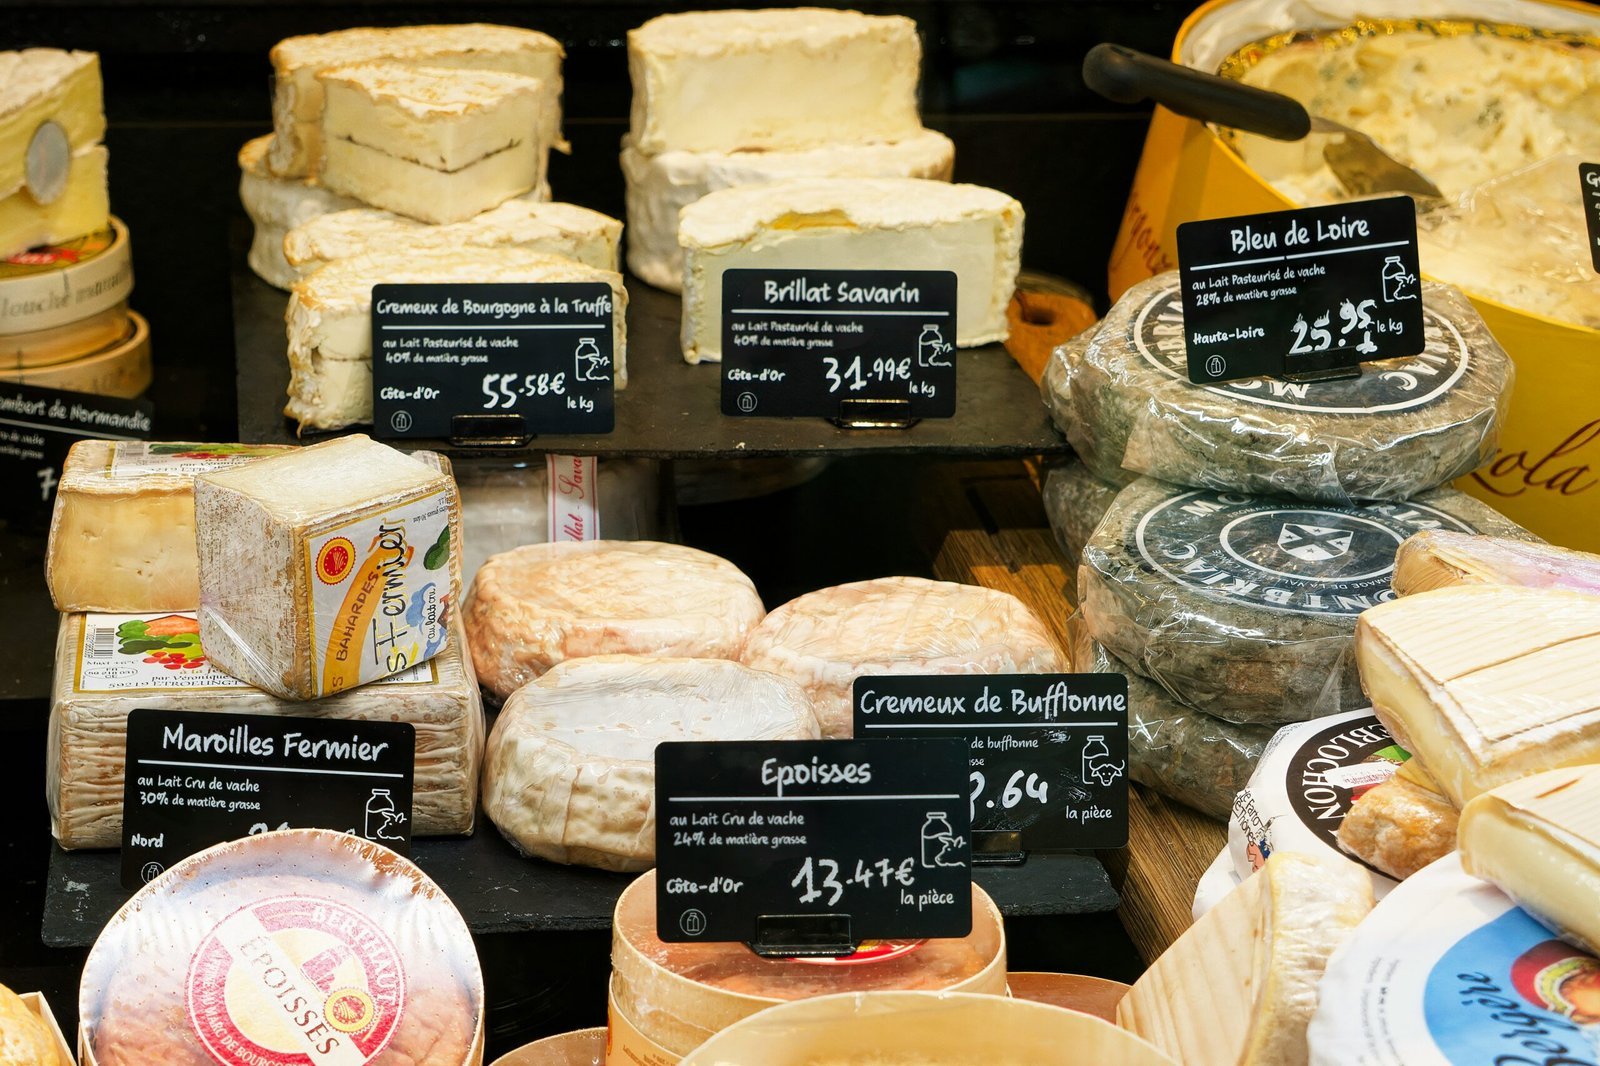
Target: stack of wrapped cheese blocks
(409, 155)
(66, 265)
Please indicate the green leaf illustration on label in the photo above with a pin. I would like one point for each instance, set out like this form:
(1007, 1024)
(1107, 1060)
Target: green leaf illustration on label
(439, 554)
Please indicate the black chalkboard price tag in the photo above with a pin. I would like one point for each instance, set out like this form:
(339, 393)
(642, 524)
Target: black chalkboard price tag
(1589, 179)
(811, 847)
(830, 343)
(198, 778)
(1047, 754)
(38, 427)
(1300, 294)
(521, 359)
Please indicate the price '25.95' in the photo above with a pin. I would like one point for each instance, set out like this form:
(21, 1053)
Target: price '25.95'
(502, 391)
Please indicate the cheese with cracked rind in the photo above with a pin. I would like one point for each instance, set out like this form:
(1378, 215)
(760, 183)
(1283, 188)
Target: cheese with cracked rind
(1240, 986)
(539, 226)
(542, 604)
(569, 774)
(326, 567)
(1439, 559)
(297, 101)
(850, 223)
(660, 186)
(96, 685)
(1486, 684)
(897, 625)
(329, 319)
(775, 78)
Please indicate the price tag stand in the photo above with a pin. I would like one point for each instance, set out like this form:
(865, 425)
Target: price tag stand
(489, 431)
(874, 414)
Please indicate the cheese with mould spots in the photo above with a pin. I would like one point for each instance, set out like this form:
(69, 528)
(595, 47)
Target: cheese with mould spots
(1400, 825)
(1486, 684)
(776, 78)
(844, 223)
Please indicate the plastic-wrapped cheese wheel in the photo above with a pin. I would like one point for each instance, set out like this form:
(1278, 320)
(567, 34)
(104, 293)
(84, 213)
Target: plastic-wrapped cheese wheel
(1405, 425)
(1075, 501)
(297, 946)
(538, 605)
(570, 770)
(896, 625)
(1245, 606)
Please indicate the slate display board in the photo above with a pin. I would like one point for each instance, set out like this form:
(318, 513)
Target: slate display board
(812, 343)
(671, 410)
(811, 847)
(1047, 754)
(539, 355)
(38, 426)
(198, 778)
(1300, 293)
(1589, 178)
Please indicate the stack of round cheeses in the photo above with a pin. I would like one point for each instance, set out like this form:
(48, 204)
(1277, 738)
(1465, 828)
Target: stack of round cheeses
(64, 317)
(1230, 534)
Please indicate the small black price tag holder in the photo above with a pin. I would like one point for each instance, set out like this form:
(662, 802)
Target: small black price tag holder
(1047, 754)
(492, 364)
(1589, 179)
(1304, 295)
(38, 427)
(807, 848)
(869, 349)
(198, 778)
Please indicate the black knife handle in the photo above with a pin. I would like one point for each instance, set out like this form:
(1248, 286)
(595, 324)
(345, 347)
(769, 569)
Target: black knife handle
(1128, 76)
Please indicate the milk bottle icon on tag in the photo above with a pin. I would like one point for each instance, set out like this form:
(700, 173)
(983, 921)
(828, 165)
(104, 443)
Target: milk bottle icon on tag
(590, 364)
(1398, 282)
(932, 348)
(940, 845)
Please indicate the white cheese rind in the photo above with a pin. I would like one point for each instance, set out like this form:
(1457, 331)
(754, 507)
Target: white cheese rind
(535, 225)
(93, 694)
(569, 773)
(778, 78)
(330, 324)
(846, 223)
(298, 98)
(896, 625)
(1486, 684)
(327, 567)
(660, 186)
(542, 604)
(275, 206)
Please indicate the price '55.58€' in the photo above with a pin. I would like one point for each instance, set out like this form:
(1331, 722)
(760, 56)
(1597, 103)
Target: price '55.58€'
(501, 392)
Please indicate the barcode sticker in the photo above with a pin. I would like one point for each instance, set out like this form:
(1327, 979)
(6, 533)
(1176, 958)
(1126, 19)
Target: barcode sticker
(102, 642)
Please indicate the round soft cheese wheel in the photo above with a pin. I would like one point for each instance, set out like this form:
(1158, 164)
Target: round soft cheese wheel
(1184, 754)
(24, 1040)
(538, 605)
(1245, 606)
(297, 946)
(570, 771)
(1074, 501)
(896, 625)
(1404, 426)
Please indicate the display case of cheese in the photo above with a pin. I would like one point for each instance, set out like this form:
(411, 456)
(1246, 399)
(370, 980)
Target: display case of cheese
(666, 999)
(1420, 85)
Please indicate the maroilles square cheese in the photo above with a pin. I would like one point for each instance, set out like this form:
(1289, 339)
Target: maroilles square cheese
(326, 568)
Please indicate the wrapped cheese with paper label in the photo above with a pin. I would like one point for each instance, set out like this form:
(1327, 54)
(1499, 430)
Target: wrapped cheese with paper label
(1441, 558)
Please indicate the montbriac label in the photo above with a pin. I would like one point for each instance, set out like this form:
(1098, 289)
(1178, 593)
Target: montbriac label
(869, 838)
(197, 778)
(38, 427)
(1306, 558)
(1047, 754)
(1589, 179)
(1399, 385)
(542, 353)
(1300, 292)
(810, 343)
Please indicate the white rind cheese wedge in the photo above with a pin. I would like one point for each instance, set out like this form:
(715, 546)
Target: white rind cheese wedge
(1439, 558)
(276, 206)
(122, 532)
(1486, 684)
(97, 683)
(39, 85)
(852, 223)
(660, 186)
(717, 81)
(1538, 841)
(83, 207)
(569, 774)
(549, 228)
(326, 567)
(435, 144)
(330, 320)
(296, 61)
(1240, 986)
